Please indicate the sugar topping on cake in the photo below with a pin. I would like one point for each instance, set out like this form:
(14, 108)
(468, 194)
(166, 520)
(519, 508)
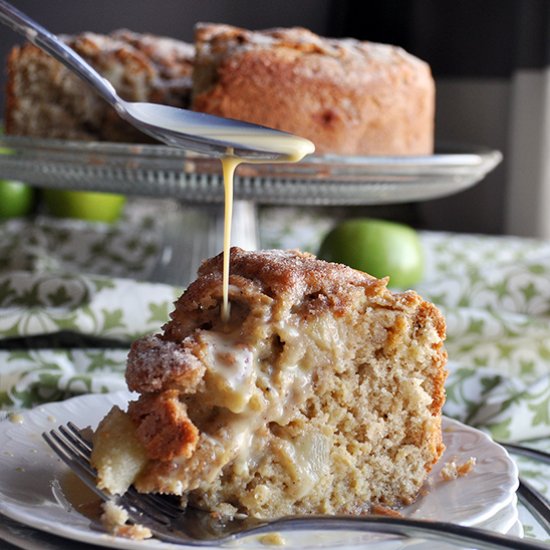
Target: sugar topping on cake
(347, 96)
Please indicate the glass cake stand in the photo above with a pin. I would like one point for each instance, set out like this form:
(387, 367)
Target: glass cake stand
(196, 232)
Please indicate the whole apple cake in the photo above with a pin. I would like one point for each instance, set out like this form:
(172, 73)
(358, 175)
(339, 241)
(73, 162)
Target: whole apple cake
(349, 97)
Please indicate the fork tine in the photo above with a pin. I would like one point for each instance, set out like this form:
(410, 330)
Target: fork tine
(69, 449)
(65, 453)
(159, 525)
(162, 505)
(77, 442)
(70, 455)
(136, 501)
(77, 432)
(81, 467)
(76, 455)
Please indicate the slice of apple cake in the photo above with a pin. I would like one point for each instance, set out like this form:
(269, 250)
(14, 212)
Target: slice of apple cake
(322, 394)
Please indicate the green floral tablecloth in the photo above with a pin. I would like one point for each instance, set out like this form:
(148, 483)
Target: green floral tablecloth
(87, 280)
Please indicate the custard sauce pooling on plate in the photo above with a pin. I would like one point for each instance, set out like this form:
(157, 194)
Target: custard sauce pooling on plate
(292, 148)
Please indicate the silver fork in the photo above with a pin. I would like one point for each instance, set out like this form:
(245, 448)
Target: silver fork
(169, 523)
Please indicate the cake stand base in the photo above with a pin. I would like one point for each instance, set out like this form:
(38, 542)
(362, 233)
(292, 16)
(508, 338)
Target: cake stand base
(194, 232)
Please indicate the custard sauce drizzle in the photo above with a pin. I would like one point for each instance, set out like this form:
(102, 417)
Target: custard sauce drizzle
(293, 147)
(229, 164)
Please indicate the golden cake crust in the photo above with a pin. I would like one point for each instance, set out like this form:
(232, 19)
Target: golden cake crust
(347, 96)
(155, 365)
(257, 277)
(162, 425)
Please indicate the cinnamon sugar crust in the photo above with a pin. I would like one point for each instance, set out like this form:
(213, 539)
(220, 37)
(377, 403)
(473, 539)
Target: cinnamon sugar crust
(173, 58)
(154, 365)
(322, 394)
(347, 96)
(298, 279)
(162, 425)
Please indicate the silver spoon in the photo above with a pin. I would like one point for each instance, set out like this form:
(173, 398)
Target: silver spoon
(198, 132)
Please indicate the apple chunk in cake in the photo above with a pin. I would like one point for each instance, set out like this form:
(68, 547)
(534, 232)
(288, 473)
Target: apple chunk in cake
(322, 394)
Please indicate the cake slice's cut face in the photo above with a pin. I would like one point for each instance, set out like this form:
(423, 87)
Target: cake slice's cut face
(322, 394)
(45, 99)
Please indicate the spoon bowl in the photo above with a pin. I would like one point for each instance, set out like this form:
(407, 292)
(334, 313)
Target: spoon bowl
(212, 135)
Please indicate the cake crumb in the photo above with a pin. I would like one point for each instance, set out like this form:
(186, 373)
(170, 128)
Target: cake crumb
(272, 539)
(225, 511)
(133, 531)
(115, 520)
(113, 514)
(452, 470)
(87, 433)
(379, 510)
(16, 418)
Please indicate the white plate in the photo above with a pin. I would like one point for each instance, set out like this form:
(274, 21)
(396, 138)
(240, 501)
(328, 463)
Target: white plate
(29, 468)
(504, 521)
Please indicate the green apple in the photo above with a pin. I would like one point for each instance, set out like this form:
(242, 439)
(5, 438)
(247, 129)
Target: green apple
(16, 199)
(84, 205)
(378, 247)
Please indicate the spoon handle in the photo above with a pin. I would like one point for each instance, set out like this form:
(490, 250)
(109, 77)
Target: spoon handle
(51, 44)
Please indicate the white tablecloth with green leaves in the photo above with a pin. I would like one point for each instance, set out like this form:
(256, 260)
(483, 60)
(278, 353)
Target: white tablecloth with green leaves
(62, 277)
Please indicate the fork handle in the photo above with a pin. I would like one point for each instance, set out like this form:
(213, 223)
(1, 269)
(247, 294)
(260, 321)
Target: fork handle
(52, 45)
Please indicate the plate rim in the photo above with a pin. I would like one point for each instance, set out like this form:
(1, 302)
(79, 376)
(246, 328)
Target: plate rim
(21, 512)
